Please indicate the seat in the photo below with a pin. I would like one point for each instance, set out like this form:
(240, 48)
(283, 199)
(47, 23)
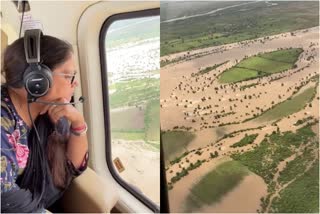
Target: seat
(89, 193)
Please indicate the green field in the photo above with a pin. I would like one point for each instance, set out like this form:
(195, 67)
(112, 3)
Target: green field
(138, 124)
(261, 65)
(134, 92)
(289, 107)
(264, 65)
(152, 121)
(237, 74)
(248, 139)
(296, 166)
(175, 143)
(301, 196)
(290, 57)
(213, 186)
(265, 158)
(139, 120)
(233, 24)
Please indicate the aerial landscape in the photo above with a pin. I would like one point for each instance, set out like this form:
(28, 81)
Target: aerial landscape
(133, 68)
(239, 105)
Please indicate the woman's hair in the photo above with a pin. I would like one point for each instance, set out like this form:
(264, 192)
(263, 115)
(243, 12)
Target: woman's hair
(53, 52)
(41, 177)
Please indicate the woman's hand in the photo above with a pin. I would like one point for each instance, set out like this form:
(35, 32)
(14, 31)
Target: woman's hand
(77, 146)
(68, 111)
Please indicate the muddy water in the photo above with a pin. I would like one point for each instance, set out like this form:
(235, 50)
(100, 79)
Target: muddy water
(244, 198)
(141, 166)
(182, 188)
(315, 129)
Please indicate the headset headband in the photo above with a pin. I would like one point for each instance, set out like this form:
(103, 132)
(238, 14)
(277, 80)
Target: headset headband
(32, 45)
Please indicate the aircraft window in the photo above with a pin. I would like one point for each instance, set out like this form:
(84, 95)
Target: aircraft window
(132, 49)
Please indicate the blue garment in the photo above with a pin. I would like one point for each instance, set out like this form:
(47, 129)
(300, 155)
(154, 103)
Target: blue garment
(15, 150)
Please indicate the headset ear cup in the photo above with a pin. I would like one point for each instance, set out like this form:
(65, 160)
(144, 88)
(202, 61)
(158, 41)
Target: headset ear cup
(47, 72)
(37, 80)
(26, 75)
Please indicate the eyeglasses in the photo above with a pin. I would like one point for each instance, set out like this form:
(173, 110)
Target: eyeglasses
(69, 77)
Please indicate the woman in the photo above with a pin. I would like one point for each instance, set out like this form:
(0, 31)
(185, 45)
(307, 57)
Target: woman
(34, 173)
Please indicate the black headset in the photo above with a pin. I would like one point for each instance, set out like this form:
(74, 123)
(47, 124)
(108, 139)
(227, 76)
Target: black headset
(37, 77)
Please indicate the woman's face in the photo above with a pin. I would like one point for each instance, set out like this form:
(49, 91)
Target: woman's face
(64, 82)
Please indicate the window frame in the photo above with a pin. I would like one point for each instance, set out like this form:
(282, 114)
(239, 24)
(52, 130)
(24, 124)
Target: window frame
(105, 93)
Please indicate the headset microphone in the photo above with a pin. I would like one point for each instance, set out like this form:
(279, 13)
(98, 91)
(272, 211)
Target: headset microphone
(81, 100)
